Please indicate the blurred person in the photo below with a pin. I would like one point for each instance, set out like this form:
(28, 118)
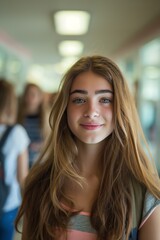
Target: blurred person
(15, 159)
(33, 115)
(93, 179)
(49, 99)
(52, 98)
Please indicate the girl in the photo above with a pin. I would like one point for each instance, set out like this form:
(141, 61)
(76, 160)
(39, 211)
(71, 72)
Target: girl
(33, 116)
(93, 180)
(16, 159)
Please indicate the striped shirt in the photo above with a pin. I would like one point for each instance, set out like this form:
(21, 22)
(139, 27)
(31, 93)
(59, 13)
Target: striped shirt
(32, 126)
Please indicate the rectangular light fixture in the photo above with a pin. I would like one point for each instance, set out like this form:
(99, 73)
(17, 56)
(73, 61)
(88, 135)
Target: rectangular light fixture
(71, 22)
(70, 48)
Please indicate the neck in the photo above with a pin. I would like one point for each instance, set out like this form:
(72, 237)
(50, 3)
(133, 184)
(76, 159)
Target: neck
(89, 158)
(31, 110)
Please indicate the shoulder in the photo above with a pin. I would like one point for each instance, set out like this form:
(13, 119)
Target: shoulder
(19, 136)
(144, 207)
(138, 193)
(143, 203)
(150, 228)
(149, 206)
(19, 129)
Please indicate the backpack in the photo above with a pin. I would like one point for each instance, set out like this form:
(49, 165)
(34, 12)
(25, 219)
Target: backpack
(4, 188)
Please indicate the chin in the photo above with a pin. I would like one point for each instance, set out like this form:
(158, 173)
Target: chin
(93, 141)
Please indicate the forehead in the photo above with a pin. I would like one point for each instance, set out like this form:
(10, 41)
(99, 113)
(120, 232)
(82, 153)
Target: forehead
(89, 81)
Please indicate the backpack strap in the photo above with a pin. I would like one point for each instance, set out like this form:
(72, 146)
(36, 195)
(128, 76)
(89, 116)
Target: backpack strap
(5, 135)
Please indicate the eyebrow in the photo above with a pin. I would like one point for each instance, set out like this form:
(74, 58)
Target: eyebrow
(96, 92)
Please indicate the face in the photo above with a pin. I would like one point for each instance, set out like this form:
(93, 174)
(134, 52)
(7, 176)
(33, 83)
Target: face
(90, 108)
(33, 98)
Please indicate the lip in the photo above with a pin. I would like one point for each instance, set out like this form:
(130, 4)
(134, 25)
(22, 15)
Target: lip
(91, 126)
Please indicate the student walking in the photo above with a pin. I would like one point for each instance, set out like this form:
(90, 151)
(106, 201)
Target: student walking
(15, 162)
(33, 115)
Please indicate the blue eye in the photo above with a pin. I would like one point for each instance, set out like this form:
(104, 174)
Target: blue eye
(78, 100)
(105, 100)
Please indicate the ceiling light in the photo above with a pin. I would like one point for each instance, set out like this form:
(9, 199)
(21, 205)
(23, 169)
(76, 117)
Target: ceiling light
(71, 22)
(70, 48)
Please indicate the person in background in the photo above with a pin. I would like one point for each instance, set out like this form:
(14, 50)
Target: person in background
(52, 99)
(16, 158)
(33, 115)
(93, 180)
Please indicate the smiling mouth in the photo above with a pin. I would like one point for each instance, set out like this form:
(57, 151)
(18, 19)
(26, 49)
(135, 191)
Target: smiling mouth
(91, 126)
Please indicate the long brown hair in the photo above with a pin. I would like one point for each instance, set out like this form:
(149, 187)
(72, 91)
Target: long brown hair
(124, 161)
(8, 102)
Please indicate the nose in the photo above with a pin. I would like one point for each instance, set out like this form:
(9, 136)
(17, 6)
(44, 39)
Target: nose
(91, 111)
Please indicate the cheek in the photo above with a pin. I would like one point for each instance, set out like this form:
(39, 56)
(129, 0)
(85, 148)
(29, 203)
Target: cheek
(72, 112)
(72, 118)
(110, 116)
(108, 113)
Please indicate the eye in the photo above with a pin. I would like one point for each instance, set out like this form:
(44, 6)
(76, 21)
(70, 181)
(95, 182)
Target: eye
(105, 100)
(78, 100)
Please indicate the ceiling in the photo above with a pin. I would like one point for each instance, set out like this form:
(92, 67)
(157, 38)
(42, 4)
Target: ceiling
(27, 29)
(27, 26)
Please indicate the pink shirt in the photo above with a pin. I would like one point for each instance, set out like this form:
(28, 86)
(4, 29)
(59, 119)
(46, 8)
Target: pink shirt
(80, 228)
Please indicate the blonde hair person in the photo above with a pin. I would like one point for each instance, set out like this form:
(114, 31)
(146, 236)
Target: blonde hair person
(93, 180)
(15, 160)
(33, 115)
